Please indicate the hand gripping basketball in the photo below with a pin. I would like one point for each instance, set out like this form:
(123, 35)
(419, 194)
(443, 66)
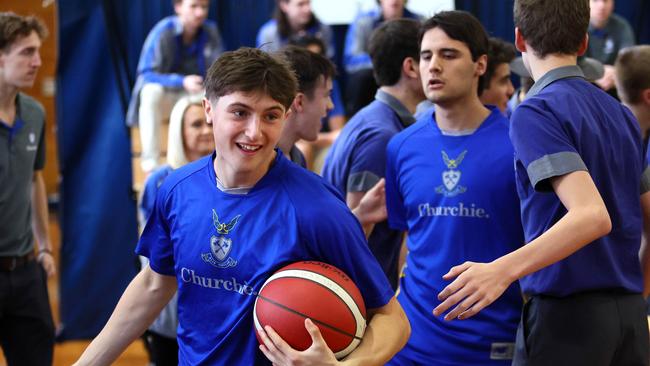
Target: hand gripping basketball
(316, 291)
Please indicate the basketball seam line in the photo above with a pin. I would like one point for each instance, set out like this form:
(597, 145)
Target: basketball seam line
(312, 319)
(350, 312)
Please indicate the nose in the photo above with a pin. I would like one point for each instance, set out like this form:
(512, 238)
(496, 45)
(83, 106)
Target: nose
(36, 60)
(330, 104)
(434, 65)
(253, 128)
(511, 89)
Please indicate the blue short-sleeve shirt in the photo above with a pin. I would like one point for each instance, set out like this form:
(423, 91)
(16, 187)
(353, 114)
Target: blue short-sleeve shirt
(565, 125)
(221, 247)
(456, 197)
(357, 160)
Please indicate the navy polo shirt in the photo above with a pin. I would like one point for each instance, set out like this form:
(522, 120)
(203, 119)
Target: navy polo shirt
(567, 124)
(357, 161)
(22, 151)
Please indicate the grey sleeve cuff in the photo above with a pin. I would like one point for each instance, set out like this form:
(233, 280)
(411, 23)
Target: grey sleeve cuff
(362, 182)
(645, 180)
(553, 165)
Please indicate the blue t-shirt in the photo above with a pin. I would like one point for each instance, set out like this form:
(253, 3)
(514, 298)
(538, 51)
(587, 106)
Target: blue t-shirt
(150, 191)
(567, 124)
(221, 248)
(456, 197)
(357, 160)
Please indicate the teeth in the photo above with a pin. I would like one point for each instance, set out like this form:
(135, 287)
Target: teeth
(249, 147)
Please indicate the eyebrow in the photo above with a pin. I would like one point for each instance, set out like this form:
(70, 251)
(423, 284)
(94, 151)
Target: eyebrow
(440, 50)
(246, 106)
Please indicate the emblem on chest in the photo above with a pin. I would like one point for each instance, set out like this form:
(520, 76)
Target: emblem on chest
(451, 178)
(220, 244)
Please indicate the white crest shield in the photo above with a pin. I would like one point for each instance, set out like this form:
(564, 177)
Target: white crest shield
(220, 247)
(450, 179)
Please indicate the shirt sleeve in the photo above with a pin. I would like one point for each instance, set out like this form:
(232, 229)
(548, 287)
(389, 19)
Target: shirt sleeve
(333, 234)
(155, 241)
(544, 147)
(39, 162)
(394, 201)
(158, 49)
(356, 43)
(328, 40)
(627, 35)
(368, 162)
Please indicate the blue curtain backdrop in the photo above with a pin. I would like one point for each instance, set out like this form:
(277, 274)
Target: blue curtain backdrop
(98, 210)
(99, 46)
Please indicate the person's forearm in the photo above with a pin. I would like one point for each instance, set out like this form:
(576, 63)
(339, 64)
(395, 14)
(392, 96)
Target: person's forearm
(387, 332)
(644, 256)
(576, 229)
(365, 224)
(141, 302)
(40, 213)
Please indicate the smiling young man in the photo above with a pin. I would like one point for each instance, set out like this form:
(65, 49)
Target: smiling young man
(451, 187)
(223, 224)
(26, 326)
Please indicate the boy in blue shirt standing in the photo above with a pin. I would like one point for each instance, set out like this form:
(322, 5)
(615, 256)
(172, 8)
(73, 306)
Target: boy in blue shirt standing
(449, 184)
(583, 182)
(223, 224)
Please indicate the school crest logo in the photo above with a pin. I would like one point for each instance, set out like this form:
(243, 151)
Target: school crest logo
(451, 177)
(221, 244)
(32, 137)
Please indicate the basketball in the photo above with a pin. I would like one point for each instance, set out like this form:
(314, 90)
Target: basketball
(320, 292)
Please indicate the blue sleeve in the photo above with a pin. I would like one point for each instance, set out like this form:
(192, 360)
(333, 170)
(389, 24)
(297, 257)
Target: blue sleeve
(148, 200)
(157, 50)
(334, 234)
(336, 100)
(394, 201)
(155, 241)
(215, 46)
(368, 161)
(268, 36)
(355, 55)
(627, 35)
(543, 145)
(328, 40)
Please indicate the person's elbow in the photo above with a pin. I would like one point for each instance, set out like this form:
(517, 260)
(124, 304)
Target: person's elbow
(405, 327)
(599, 220)
(401, 323)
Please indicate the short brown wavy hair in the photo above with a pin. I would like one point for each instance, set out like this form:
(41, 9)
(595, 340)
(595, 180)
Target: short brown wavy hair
(552, 26)
(14, 26)
(250, 69)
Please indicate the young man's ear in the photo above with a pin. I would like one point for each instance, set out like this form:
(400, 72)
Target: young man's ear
(481, 65)
(410, 67)
(520, 42)
(207, 109)
(298, 103)
(583, 45)
(645, 96)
